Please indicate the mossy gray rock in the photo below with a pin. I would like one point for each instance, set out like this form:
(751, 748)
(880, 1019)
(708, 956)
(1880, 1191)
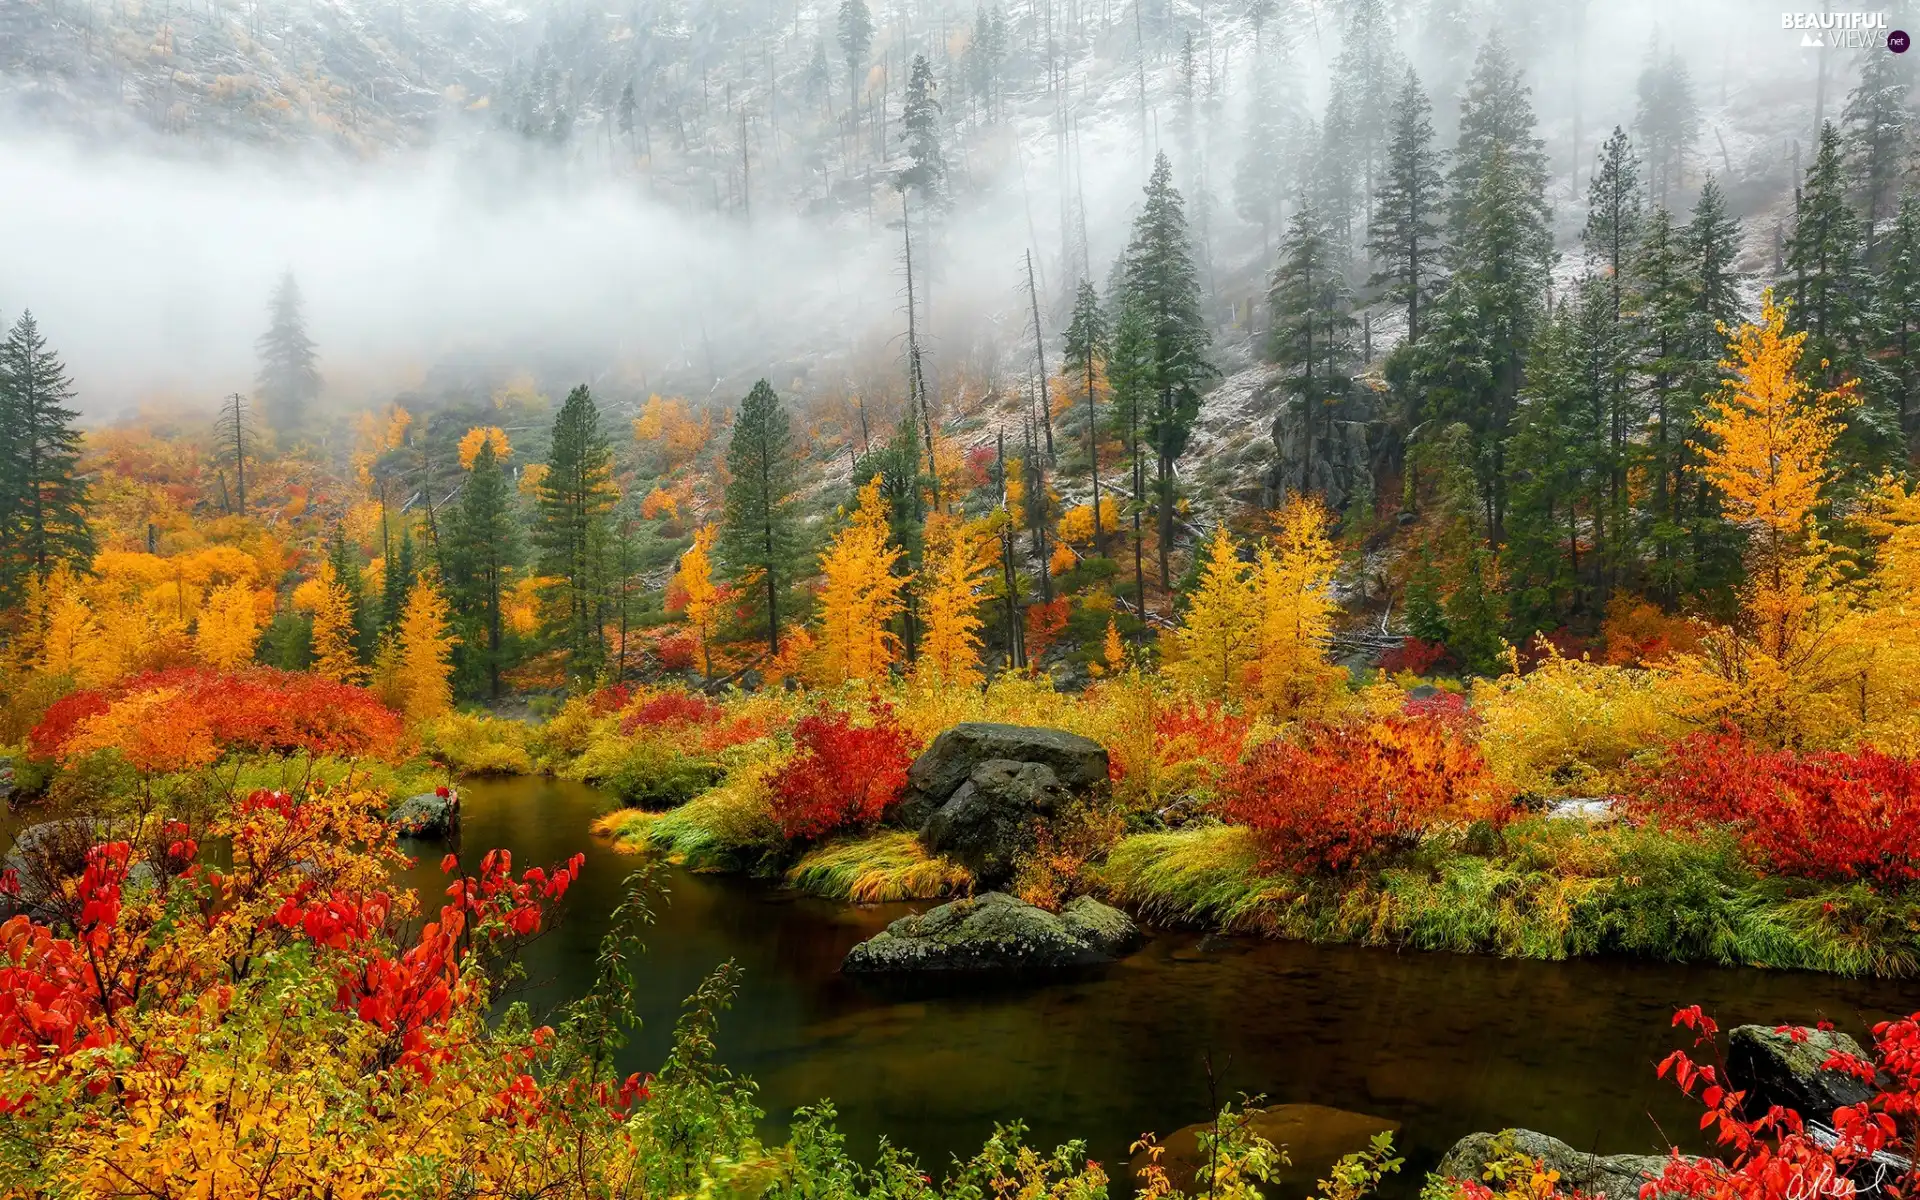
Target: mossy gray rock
(994, 817)
(428, 815)
(996, 932)
(1785, 1069)
(1080, 764)
(1615, 1176)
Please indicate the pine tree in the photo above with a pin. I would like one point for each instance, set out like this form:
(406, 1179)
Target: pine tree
(482, 549)
(289, 379)
(43, 501)
(574, 497)
(1612, 235)
(1130, 372)
(926, 171)
(353, 584)
(1665, 300)
(1879, 122)
(425, 651)
(397, 579)
(1832, 293)
(759, 534)
(1259, 179)
(1899, 304)
(856, 37)
(1364, 76)
(1086, 350)
(1404, 235)
(1496, 116)
(1668, 125)
(1313, 324)
(1162, 282)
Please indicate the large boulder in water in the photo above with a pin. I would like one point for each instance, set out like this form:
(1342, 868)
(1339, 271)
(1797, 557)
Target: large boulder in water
(996, 932)
(994, 818)
(1786, 1069)
(1614, 1176)
(1313, 1135)
(428, 815)
(1079, 763)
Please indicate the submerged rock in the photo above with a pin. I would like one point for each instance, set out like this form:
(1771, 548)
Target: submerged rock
(995, 817)
(1615, 1176)
(996, 932)
(426, 815)
(1313, 1135)
(1780, 1068)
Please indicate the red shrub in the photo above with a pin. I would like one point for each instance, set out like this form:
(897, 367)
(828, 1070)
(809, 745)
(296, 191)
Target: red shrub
(1447, 708)
(57, 727)
(845, 775)
(609, 699)
(673, 710)
(1206, 735)
(1821, 816)
(1347, 794)
(1413, 655)
(1044, 624)
(676, 652)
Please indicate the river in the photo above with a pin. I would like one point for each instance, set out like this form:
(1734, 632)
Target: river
(1443, 1044)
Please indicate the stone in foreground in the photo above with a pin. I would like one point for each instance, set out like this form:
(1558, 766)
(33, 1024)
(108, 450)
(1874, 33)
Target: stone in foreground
(1078, 763)
(1780, 1068)
(994, 818)
(996, 932)
(427, 815)
(1613, 1176)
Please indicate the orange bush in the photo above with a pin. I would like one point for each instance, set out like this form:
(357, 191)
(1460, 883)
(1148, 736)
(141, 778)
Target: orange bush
(1346, 795)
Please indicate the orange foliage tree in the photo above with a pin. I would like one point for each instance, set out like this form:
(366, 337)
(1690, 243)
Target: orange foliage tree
(860, 594)
(959, 560)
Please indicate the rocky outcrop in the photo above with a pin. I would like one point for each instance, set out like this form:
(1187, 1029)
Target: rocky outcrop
(1615, 1176)
(44, 855)
(1785, 1069)
(996, 933)
(1334, 459)
(428, 815)
(1313, 1135)
(981, 792)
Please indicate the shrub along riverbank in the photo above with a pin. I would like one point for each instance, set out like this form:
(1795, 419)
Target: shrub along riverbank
(1396, 824)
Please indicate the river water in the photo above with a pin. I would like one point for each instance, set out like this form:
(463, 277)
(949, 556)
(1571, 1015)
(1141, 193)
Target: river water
(1442, 1044)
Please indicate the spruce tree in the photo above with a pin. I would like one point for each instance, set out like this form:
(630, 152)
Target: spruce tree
(1665, 301)
(396, 580)
(1611, 236)
(1404, 237)
(574, 498)
(1667, 125)
(1162, 282)
(856, 37)
(759, 534)
(1313, 324)
(1364, 76)
(483, 548)
(1259, 178)
(43, 501)
(926, 170)
(1130, 372)
(289, 379)
(1832, 290)
(1878, 121)
(1086, 349)
(346, 569)
(1496, 114)
(1899, 304)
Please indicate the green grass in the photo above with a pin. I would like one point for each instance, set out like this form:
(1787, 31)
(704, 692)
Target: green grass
(1546, 891)
(877, 869)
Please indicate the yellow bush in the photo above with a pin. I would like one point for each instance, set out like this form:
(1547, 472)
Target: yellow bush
(1572, 725)
(478, 744)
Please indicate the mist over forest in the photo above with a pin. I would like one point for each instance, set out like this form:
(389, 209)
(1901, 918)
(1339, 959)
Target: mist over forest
(478, 187)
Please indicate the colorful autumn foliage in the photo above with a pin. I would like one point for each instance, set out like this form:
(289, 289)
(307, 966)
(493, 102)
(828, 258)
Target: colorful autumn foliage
(177, 720)
(1343, 796)
(844, 775)
(1825, 815)
(860, 595)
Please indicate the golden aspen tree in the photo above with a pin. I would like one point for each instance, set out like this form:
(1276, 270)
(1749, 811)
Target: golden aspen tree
(70, 642)
(1216, 640)
(958, 562)
(426, 651)
(694, 582)
(333, 653)
(860, 594)
(228, 629)
(1114, 652)
(1783, 674)
(1293, 600)
(481, 435)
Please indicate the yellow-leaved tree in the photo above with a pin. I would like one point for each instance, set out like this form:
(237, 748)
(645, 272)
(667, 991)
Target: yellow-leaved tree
(426, 651)
(860, 595)
(959, 559)
(1216, 641)
(1787, 672)
(1294, 606)
(482, 435)
(228, 628)
(694, 585)
(333, 653)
